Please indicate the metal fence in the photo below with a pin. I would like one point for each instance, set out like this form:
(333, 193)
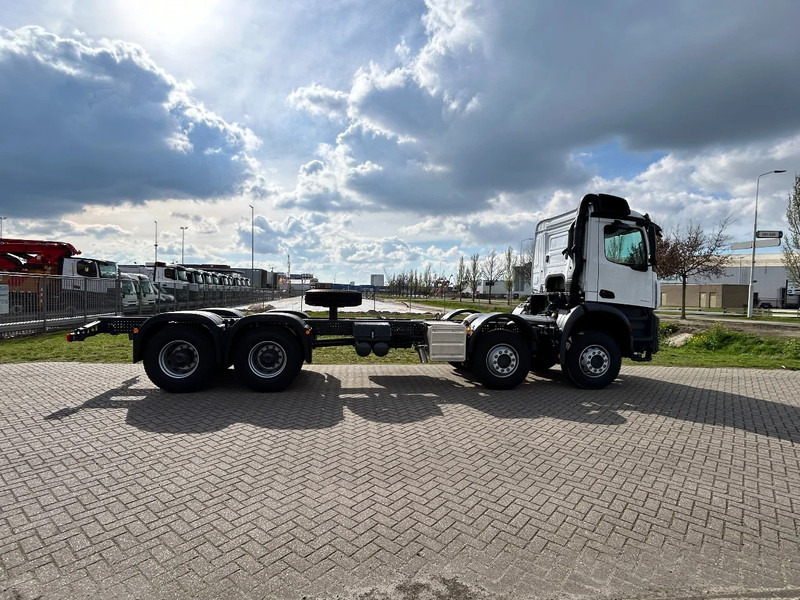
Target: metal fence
(38, 303)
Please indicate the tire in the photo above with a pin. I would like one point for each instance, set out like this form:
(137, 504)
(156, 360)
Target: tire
(179, 359)
(500, 360)
(268, 359)
(593, 360)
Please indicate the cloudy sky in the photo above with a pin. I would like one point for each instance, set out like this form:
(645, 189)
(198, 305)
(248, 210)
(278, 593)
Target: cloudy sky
(374, 136)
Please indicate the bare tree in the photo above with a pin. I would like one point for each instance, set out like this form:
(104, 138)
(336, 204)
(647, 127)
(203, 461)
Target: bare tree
(508, 273)
(692, 253)
(791, 244)
(461, 276)
(474, 273)
(526, 262)
(491, 271)
(427, 280)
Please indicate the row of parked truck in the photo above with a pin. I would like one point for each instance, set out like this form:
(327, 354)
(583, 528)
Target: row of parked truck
(177, 284)
(35, 274)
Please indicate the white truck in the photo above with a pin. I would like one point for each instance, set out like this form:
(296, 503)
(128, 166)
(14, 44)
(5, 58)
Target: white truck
(593, 302)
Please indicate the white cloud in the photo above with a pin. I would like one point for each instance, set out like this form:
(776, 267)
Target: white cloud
(388, 135)
(319, 101)
(98, 122)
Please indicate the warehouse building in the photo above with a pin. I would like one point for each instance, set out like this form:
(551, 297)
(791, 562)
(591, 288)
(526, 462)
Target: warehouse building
(729, 291)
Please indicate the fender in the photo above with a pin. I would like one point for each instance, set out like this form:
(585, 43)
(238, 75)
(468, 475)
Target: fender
(451, 316)
(290, 320)
(480, 322)
(567, 321)
(211, 322)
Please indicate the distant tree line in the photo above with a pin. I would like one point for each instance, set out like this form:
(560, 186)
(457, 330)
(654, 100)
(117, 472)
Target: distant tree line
(497, 271)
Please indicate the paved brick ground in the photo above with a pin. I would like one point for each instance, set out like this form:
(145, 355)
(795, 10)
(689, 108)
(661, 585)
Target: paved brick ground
(377, 482)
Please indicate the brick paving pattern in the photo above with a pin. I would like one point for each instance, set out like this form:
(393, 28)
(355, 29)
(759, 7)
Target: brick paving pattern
(399, 481)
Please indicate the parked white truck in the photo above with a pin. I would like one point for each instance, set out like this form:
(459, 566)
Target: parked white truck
(593, 303)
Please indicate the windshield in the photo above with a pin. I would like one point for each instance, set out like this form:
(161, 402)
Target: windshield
(107, 268)
(182, 274)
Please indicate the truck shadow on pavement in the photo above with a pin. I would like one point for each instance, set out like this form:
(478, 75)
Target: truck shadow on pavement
(318, 400)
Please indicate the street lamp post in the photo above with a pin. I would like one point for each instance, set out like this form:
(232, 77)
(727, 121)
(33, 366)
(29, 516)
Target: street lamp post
(1, 226)
(252, 248)
(183, 238)
(155, 260)
(753, 251)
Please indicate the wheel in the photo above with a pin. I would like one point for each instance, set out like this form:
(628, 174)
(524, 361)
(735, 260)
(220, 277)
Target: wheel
(179, 359)
(268, 359)
(500, 359)
(593, 360)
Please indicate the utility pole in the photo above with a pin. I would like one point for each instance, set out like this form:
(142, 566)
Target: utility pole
(753, 251)
(252, 247)
(183, 238)
(155, 260)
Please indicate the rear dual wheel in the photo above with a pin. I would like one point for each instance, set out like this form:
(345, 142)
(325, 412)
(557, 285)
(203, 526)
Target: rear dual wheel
(179, 359)
(268, 359)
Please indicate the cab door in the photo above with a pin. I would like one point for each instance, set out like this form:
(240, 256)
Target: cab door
(624, 275)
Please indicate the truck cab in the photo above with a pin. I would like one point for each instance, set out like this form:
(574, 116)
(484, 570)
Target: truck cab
(171, 278)
(130, 292)
(594, 272)
(600, 252)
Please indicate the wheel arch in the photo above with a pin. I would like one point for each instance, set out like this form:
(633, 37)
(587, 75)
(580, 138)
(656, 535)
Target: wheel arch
(602, 318)
(289, 321)
(484, 322)
(206, 322)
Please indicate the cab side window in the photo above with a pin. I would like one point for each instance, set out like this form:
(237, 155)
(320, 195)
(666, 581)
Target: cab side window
(625, 246)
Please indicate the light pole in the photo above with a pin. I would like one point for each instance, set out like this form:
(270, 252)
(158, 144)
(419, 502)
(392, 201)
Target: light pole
(1, 226)
(155, 262)
(530, 239)
(183, 238)
(753, 252)
(252, 248)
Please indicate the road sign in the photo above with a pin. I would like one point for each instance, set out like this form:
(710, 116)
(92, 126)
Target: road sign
(769, 234)
(759, 244)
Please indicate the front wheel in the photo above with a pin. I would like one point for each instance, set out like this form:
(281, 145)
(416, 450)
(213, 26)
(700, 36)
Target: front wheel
(593, 360)
(501, 360)
(268, 359)
(179, 359)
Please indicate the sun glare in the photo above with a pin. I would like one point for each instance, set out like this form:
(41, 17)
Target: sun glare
(170, 18)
